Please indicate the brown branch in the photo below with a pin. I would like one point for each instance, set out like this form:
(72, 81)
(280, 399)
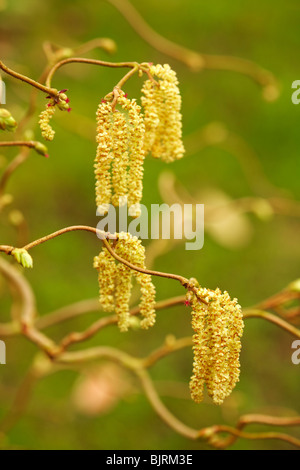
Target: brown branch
(171, 345)
(19, 143)
(26, 316)
(184, 281)
(81, 60)
(252, 313)
(237, 432)
(92, 305)
(92, 330)
(162, 411)
(209, 434)
(23, 288)
(221, 443)
(50, 91)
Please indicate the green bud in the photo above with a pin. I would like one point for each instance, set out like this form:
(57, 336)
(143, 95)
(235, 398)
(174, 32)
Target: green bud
(108, 45)
(64, 53)
(4, 113)
(26, 260)
(63, 106)
(17, 255)
(41, 149)
(22, 257)
(7, 122)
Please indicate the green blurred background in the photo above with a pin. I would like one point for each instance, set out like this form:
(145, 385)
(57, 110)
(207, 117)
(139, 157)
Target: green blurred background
(59, 192)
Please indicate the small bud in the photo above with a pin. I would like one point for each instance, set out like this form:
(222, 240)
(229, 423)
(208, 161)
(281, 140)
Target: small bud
(7, 122)
(63, 101)
(108, 45)
(170, 341)
(22, 257)
(65, 53)
(41, 149)
(63, 96)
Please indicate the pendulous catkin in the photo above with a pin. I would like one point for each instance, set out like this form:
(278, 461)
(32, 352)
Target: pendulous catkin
(61, 101)
(163, 121)
(120, 155)
(104, 156)
(115, 281)
(217, 321)
(107, 273)
(44, 122)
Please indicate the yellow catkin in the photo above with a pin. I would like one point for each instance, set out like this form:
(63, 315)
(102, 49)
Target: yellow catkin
(104, 156)
(120, 159)
(136, 135)
(131, 249)
(115, 281)
(147, 303)
(163, 119)
(218, 324)
(122, 296)
(106, 267)
(120, 137)
(44, 122)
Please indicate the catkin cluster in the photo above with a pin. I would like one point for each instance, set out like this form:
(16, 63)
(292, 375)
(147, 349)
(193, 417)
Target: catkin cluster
(61, 101)
(217, 321)
(163, 120)
(44, 122)
(120, 155)
(115, 281)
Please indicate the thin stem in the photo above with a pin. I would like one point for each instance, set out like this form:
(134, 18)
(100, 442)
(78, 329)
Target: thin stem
(23, 288)
(72, 228)
(92, 305)
(27, 311)
(127, 76)
(50, 91)
(253, 313)
(81, 60)
(35, 243)
(176, 277)
(19, 143)
(67, 313)
(92, 330)
(163, 412)
(251, 436)
(171, 345)
(106, 44)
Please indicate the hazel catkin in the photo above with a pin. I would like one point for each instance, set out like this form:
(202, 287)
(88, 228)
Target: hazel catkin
(120, 155)
(163, 120)
(217, 321)
(115, 281)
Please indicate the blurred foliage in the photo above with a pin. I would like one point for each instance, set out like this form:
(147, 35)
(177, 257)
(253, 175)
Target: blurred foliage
(59, 191)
